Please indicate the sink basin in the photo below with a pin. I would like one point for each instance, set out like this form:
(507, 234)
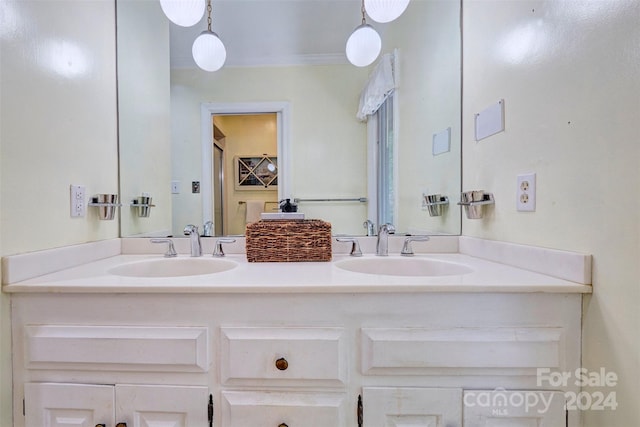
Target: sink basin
(173, 267)
(403, 266)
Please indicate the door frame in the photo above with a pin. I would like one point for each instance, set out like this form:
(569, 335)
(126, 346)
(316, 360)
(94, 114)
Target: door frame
(283, 120)
(218, 145)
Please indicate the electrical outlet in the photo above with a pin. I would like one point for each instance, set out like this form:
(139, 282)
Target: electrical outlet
(77, 201)
(526, 193)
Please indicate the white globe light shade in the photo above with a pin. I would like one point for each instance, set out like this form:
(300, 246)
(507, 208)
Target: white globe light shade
(185, 13)
(363, 46)
(385, 10)
(208, 51)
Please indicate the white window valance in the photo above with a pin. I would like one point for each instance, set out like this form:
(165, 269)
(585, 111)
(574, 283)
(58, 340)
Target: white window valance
(380, 85)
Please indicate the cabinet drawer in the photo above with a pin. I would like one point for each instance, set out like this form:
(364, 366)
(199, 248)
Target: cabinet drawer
(243, 409)
(117, 348)
(283, 354)
(387, 351)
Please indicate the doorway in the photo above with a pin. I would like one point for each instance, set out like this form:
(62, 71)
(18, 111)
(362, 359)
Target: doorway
(219, 204)
(249, 167)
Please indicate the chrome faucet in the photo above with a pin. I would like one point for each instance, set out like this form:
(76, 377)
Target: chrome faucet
(207, 230)
(382, 247)
(192, 231)
(368, 225)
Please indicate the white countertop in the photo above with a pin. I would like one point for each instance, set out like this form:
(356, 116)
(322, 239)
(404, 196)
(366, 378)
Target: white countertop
(307, 277)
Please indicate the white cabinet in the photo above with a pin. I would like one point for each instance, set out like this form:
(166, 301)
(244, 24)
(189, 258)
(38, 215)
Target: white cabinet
(424, 352)
(293, 409)
(87, 405)
(304, 356)
(259, 361)
(411, 407)
(161, 406)
(69, 405)
(460, 350)
(291, 359)
(449, 407)
(69, 369)
(514, 408)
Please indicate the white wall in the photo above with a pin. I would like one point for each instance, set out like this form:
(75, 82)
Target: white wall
(58, 121)
(58, 127)
(429, 102)
(569, 73)
(144, 111)
(328, 143)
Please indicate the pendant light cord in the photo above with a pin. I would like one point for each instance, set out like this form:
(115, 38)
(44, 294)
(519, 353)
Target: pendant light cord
(209, 14)
(362, 9)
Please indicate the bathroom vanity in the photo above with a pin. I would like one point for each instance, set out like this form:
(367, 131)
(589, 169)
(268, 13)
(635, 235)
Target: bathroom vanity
(294, 344)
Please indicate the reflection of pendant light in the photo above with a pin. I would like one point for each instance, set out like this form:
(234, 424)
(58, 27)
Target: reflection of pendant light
(364, 44)
(385, 10)
(208, 50)
(185, 13)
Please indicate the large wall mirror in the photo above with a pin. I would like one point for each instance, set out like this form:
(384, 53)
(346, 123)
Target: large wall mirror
(279, 119)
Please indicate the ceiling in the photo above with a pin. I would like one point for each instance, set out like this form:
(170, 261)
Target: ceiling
(275, 32)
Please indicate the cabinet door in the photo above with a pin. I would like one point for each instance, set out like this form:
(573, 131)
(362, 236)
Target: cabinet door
(411, 407)
(526, 408)
(68, 405)
(161, 406)
(273, 409)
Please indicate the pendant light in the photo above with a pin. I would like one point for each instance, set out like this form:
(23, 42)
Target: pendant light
(208, 50)
(185, 13)
(364, 44)
(385, 10)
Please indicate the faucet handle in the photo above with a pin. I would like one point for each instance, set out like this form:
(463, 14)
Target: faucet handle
(217, 250)
(355, 245)
(171, 250)
(407, 250)
(370, 227)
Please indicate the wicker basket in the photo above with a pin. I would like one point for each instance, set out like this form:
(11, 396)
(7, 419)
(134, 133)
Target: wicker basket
(289, 241)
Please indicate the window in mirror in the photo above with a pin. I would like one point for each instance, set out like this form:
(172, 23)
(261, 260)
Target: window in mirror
(386, 162)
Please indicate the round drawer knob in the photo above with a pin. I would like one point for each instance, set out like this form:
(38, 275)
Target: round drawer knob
(283, 425)
(282, 365)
